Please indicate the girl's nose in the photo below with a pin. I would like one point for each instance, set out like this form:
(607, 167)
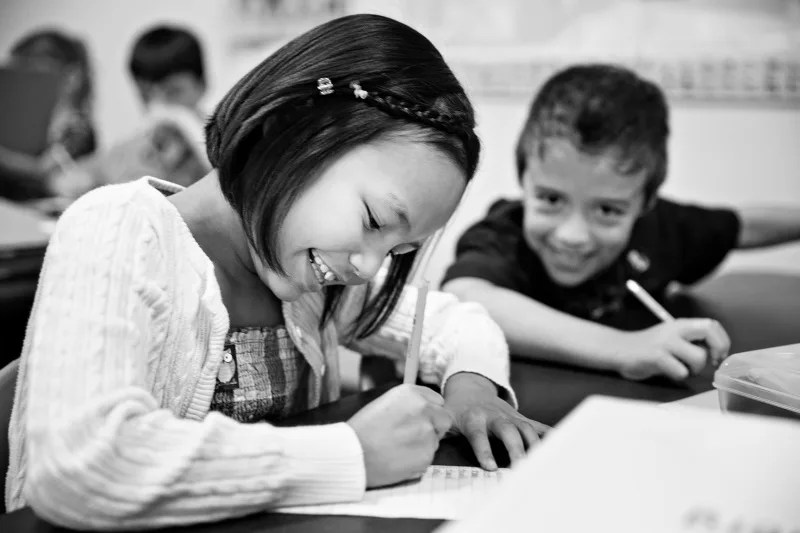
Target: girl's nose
(366, 263)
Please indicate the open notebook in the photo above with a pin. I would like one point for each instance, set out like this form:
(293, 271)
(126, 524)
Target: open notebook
(444, 492)
(629, 467)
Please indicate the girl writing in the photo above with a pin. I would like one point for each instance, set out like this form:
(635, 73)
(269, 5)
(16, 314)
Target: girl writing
(169, 319)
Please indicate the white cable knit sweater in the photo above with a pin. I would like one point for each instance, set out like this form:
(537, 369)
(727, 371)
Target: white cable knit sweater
(111, 428)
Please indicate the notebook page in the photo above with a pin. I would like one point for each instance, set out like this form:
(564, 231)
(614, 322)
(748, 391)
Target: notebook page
(443, 492)
(627, 466)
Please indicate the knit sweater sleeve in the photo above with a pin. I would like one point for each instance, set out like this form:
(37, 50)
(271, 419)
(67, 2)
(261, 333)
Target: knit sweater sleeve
(456, 337)
(102, 453)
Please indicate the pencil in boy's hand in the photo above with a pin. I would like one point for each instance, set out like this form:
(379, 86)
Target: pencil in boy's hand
(412, 352)
(657, 309)
(648, 301)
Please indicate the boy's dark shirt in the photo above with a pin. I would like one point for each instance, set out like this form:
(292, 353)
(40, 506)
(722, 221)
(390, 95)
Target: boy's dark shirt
(672, 242)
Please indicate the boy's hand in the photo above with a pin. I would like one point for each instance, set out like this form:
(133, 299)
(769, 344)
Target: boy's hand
(399, 433)
(478, 411)
(671, 349)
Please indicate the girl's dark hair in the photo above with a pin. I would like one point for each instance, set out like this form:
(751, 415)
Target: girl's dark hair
(275, 131)
(165, 50)
(64, 51)
(600, 109)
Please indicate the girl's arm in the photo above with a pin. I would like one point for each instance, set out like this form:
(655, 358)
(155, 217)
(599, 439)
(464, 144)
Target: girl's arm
(456, 337)
(103, 452)
(465, 353)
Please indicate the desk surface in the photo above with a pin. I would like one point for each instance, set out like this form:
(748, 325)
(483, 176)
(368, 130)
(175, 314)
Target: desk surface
(705, 400)
(547, 392)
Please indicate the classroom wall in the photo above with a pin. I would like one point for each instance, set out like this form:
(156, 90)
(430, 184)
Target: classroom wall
(721, 153)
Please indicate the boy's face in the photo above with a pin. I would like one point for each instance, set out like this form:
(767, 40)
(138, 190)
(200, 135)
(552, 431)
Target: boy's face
(182, 89)
(579, 210)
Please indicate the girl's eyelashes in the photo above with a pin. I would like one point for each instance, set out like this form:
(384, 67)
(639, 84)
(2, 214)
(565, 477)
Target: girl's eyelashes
(372, 223)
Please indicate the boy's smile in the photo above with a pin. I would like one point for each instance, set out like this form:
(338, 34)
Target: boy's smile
(579, 210)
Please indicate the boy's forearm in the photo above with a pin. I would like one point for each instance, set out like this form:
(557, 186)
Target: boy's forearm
(536, 331)
(766, 226)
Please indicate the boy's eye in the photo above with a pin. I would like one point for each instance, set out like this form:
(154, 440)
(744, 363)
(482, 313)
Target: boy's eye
(550, 199)
(609, 211)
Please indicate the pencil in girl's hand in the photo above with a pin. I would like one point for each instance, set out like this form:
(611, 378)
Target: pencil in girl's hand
(412, 352)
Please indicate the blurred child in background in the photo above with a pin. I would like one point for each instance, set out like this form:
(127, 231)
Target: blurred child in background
(166, 66)
(71, 133)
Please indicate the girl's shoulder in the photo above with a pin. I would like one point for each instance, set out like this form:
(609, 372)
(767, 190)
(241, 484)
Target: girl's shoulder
(135, 213)
(139, 198)
(140, 191)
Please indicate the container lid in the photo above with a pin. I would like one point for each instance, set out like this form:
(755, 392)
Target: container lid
(771, 375)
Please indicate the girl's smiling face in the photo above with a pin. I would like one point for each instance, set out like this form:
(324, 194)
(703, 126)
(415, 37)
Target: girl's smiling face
(380, 198)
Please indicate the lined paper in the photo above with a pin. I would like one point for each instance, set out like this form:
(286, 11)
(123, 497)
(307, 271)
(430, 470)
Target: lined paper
(443, 492)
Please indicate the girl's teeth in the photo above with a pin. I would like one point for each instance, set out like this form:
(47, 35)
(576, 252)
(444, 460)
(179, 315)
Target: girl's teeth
(326, 274)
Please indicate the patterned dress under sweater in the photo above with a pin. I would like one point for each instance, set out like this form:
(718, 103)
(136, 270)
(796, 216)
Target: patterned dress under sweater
(263, 376)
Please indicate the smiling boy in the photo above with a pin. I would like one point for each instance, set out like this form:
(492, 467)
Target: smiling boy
(551, 268)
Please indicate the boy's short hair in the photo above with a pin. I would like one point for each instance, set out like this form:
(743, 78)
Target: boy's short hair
(600, 109)
(166, 50)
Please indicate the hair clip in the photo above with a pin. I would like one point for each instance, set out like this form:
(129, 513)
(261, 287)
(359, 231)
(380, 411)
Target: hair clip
(324, 86)
(358, 92)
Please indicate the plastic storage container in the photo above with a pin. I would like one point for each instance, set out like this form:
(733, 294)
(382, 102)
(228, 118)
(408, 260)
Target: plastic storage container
(762, 382)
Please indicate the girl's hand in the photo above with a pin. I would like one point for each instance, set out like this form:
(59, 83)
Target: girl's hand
(478, 412)
(674, 349)
(399, 433)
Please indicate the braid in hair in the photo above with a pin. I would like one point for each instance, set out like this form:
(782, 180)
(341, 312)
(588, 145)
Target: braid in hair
(403, 109)
(398, 107)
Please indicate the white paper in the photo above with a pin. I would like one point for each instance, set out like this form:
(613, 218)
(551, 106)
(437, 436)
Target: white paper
(630, 467)
(443, 492)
